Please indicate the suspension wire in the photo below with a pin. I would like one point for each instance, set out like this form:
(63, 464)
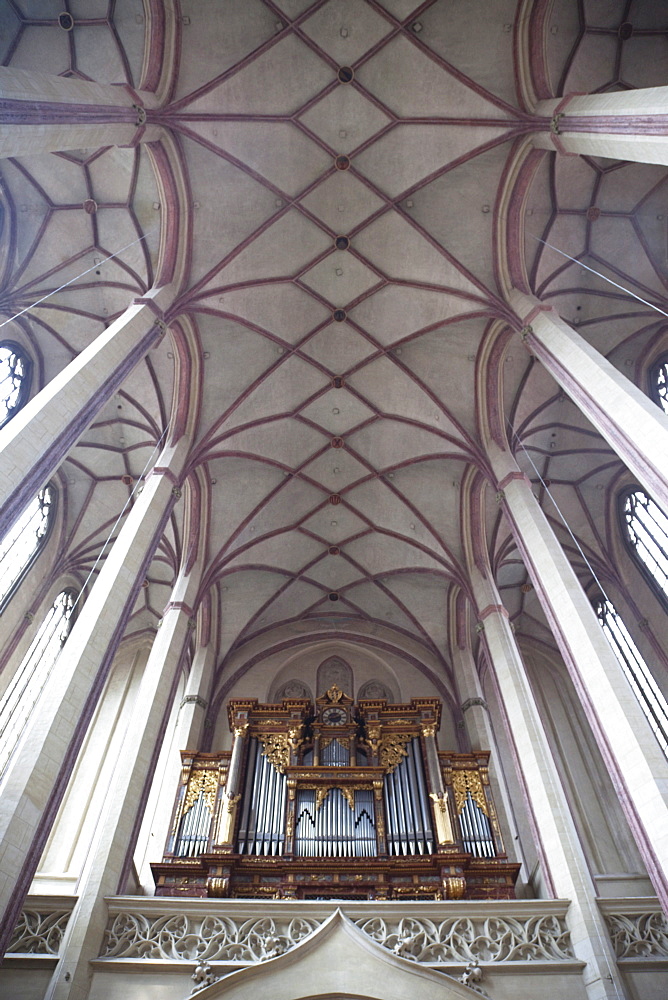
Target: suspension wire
(611, 977)
(72, 280)
(133, 492)
(558, 509)
(598, 273)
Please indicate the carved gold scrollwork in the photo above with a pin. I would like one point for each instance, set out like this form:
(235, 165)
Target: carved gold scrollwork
(276, 748)
(468, 783)
(349, 796)
(334, 693)
(429, 729)
(232, 801)
(454, 887)
(324, 743)
(295, 737)
(204, 783)
(392, 749)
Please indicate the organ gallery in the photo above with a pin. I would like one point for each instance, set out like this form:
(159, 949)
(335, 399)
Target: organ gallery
(335, 800)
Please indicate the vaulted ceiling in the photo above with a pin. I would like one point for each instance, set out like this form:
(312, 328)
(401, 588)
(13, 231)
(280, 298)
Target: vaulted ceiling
(339, 286)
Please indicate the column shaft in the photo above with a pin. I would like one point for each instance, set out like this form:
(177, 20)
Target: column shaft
(186, 734)
(564, 866)
(40, 113)
(481, 737)
(34, 443)
(37, 775)
(627, 125)
(637, 765)
(113, 844)
(631, 423)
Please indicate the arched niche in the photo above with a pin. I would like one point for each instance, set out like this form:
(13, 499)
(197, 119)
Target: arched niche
(334, 670)
(338, 961)
(292, 688)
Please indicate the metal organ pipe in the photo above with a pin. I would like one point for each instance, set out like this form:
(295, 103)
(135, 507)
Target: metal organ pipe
(242, 842)
(407, 813)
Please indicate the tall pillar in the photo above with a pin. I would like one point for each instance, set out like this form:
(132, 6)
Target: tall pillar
(631, 753)
(563, 863)
(36, 440)
(627, 125)
(631, 423)
(37, 775)
(40, 113)
(113, 846)
(481, 737)
(186, 734)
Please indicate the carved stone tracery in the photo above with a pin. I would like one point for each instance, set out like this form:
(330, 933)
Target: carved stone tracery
(208, 938)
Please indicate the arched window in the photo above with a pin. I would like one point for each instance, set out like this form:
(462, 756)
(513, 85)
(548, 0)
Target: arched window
(658, 382)
(645, 528)
(33, 673)
(637, 672)
(15, 378)
(23, 541)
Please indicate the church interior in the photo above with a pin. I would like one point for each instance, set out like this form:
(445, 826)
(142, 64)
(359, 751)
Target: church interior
(334, 450)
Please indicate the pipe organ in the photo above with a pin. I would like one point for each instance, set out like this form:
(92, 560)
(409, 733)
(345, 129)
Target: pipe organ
(335, 800)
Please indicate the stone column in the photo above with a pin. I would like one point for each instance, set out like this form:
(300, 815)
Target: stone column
(627, 125)
(563, 864)
(185, 733)
(40, 113)
(636, 763)
(631, 423)
(112, 849)
(481, 737)
(37, 776)
(34, 443)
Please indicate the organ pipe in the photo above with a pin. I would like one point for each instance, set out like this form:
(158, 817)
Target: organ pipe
(336, 789)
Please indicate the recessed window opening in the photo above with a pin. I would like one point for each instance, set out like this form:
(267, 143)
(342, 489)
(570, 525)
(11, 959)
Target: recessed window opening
(33, 673)
(658, 382)
(15, 377)
(644, 686)
(646, 533)
(23, 542)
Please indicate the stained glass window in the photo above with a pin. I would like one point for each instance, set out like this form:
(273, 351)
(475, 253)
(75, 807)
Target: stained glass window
(34, 671)
(637, 672)
(23, 541)
(15, 373)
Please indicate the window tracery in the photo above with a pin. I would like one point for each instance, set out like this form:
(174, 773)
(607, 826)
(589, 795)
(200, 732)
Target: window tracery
(33, 673)
(658, 382)
(24, 541)
(644, 686)
(645, 529)
(15, 379)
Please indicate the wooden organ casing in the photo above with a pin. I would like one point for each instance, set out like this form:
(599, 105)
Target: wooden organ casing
(335, 800)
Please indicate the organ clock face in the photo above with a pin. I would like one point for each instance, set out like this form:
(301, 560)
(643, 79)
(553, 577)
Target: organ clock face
(334, 716)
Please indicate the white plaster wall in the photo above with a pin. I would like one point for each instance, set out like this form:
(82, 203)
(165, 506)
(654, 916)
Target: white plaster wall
(604, 833)
(80, 810)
